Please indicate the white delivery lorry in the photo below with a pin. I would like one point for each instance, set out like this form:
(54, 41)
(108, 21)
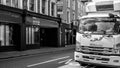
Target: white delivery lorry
(98, 35)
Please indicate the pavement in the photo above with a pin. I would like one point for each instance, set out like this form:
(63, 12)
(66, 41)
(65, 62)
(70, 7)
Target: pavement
(16, 54)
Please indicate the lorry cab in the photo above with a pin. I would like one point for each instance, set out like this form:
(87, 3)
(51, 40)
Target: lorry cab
(98, 39)
(98, 35)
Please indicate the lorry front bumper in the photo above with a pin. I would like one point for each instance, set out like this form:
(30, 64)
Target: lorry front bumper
(109, 61)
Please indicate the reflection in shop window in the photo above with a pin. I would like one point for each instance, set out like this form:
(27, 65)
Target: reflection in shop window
(2, 35)
(32, 35)
(6, 33)
(27, 35)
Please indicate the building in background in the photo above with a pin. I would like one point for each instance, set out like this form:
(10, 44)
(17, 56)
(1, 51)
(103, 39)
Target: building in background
(67, 11)
(81, 8)
(28, 24)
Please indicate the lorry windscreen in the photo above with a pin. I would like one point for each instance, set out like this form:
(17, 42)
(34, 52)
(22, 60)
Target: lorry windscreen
(98, 25)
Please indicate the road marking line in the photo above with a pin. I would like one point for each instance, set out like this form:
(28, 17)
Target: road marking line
(63, 61)
(47, 61)
(68, 61)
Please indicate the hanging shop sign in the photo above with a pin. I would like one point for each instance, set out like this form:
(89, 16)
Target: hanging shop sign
(60, 7)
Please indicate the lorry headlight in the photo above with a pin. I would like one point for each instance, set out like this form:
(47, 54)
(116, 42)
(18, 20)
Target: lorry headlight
(78, 46)
(117, 49)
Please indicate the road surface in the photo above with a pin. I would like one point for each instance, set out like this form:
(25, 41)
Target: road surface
(52, 60)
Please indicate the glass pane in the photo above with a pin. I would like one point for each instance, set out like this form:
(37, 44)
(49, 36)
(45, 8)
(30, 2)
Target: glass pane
(15, 3)
(2, 35)
(38, 6)
(11, 35)
(30, 35)
(97, 25)
(7, 35)
(27, 35)
(8, 2)
(37, 35)
(31, 5)
(43, 6)
(52, 9)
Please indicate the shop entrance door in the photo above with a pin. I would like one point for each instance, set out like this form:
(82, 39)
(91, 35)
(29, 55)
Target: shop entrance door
(16, 36)
(48, 37)
(42, 37)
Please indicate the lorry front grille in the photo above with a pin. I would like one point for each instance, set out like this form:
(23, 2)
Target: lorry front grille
(97, 50)
(97, 58)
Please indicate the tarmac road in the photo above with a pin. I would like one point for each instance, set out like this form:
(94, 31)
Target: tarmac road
(51, 60)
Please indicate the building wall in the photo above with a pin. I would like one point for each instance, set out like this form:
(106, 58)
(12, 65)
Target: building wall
(34, 27)
(69, 8)
(37, 8)
(68, 16)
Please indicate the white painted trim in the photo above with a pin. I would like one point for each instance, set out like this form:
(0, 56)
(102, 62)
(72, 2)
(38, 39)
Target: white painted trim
(28, 5)
(40, 6)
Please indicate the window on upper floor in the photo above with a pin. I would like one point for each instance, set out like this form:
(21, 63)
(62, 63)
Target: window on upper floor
(0, 1)
(74, 20)
(73, 4)
(68, 17)
(43, 6)
(15, 3)
(32, 5)
(8, 2)
(53, 9)
(25, 4)
(68, 3)
(12, 3)
(38, 6)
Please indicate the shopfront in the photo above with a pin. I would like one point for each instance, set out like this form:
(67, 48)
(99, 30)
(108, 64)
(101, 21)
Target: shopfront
(49, 33)
(41, 32)
(68, 34)
(22, 30)
(32, 32)
(9, 30)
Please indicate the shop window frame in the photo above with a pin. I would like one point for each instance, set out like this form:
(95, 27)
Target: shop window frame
(4, 43)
